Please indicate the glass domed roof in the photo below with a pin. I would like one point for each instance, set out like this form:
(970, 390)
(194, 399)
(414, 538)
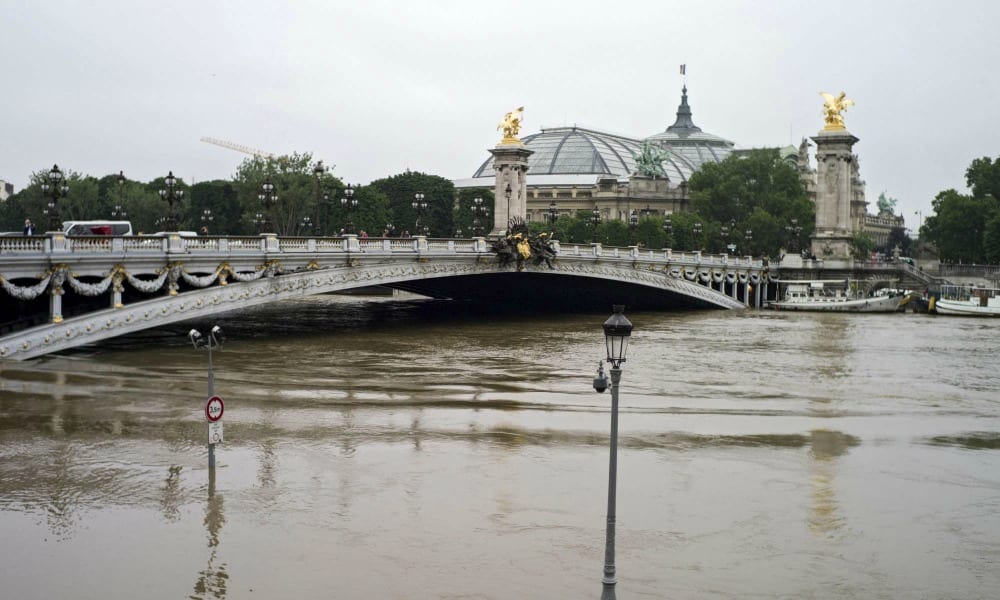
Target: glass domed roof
(578, 151)
(688, 140)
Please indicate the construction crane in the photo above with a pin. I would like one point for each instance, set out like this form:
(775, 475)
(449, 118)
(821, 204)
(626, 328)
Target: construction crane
(238, 147)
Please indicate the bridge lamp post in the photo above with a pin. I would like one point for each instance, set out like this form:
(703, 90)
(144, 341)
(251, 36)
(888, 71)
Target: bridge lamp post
(213, 341)
(172, 195)
(668, 229)
(118, 212)
(553, 213)
(349, 202)
(479, 213)
(267, 199)
(318, 172)
(724, 234)
(389, 230)
(633, 224)
(56, 188)
(306, 225)
(748, 237)
(595, 220)
(697, 234)
(458, 233)
(507, 192)
(207, 216)
(794, 231)
(419, 205)
(617, 330)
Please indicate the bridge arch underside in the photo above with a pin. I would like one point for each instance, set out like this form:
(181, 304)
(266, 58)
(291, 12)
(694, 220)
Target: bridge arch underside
(554, 290)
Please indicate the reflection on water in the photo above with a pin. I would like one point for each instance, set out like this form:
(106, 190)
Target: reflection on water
(379, 447)
(825, 448)
(211, 582)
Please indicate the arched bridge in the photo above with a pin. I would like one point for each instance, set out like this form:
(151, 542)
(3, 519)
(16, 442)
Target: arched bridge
(58, 292)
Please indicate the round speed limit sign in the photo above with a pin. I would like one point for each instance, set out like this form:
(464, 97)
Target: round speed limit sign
(214, 409)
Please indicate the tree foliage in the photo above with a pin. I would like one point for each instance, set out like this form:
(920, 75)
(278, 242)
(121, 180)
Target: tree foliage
(439, 194)
(758, 192)
(961, 226)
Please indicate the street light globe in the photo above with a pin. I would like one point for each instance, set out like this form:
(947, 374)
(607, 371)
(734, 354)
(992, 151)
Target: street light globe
(617, 330)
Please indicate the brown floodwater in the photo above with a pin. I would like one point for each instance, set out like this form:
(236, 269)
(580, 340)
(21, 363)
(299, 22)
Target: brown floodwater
(402, 448)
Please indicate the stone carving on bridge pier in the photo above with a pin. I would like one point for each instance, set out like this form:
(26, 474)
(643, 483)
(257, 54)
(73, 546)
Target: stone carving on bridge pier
(519, 246)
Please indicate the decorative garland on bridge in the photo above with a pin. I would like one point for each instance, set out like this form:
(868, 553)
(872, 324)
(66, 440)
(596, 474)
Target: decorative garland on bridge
(57, 275)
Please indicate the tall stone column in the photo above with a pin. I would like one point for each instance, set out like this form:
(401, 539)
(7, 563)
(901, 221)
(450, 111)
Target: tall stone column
(834, 195)
(510, 160)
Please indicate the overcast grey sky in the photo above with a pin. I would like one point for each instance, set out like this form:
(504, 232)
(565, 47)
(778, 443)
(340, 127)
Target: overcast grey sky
(378, 87)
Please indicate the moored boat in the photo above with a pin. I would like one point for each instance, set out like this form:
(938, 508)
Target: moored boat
(839, 296)
(967, 301)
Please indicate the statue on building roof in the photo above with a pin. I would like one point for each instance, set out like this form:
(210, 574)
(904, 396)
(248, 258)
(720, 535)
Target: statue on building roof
(649, 162)
(832, 107)
(511, 125)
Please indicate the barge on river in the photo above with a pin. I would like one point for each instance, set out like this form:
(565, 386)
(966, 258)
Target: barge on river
(839, 296)
(967, 301)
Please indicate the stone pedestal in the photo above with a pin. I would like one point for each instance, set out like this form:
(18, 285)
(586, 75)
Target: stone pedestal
(834, 193)
(511, 164)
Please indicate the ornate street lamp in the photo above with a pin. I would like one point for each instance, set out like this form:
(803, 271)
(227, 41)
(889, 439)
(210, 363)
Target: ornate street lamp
(56, 188)
(794, 231)
(458, 233)
(595, 220)
(389, 230)
(633, 224)
(318, 172)
(479, 213)
(118, 212)
(306, 225)
(419, 205)
(646, 212)
(697, 234)
(349, 202)
(172, 195)
(668, 229)
(507, 192)
(267, 199)
(617, 330)
(748, 236)
(724, 234)
(207, 216)
(553, 212)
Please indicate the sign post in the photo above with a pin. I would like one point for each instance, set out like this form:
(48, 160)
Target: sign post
(214, 408)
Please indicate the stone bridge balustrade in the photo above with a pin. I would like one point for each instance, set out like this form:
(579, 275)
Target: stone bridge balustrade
(184, 278)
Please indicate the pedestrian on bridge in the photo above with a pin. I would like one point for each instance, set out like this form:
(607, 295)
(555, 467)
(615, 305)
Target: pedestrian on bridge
(29, 227)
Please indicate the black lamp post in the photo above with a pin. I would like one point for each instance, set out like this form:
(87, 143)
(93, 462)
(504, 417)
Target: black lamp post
(349, 202)
(172, 195)
(595, 220)
(794, 231)
(724, 234)
(697, 234)
(267, 199)
(633, 224)
(321, 196)
(56, 188)
(306, 225)
(207, 216)
(748, 236)
(553, 212)
(479, 214)
(419, 205)
(617, 330)
(507, 193)
(668, 229)
(118, 212)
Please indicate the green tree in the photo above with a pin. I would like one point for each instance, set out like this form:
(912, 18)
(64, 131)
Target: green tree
(958, 224)
(983, 177)
(463, 217)
(296, 187)
(991, 240)
(861, 245)
(439, 194)
(759, 192)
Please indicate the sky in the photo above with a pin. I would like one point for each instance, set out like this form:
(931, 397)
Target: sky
(376, 88)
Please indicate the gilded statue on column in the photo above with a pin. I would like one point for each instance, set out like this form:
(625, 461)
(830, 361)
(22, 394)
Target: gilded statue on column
(511, 125)
(832, 107)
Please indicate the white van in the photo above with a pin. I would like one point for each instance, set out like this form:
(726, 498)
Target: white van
(115, 228)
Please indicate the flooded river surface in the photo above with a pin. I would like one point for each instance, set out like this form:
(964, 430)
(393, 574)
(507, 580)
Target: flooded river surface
(391, 448)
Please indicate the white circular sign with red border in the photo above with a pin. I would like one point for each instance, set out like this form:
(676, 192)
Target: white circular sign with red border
(214, 409)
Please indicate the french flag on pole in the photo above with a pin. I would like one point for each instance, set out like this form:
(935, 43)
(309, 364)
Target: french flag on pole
(683, 69)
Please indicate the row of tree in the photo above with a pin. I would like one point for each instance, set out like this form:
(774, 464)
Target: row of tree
(747, 205)
(966, 227)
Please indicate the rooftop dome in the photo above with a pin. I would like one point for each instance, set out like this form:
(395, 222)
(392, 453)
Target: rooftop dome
(576, 151)
(688, 140)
